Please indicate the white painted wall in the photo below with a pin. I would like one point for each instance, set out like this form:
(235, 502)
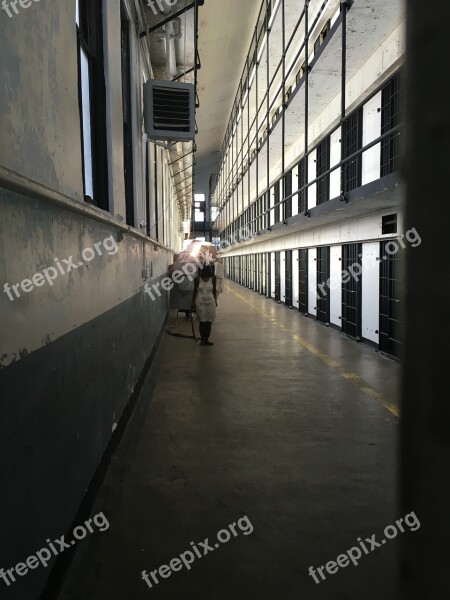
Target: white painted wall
(312, 281)
(282, 276)
(272, 274)
(370, 291)
(312, 174)
(335, 157)
(371, 159)
(272, 203)
(336, 285)
(295, 278)
(361, 229)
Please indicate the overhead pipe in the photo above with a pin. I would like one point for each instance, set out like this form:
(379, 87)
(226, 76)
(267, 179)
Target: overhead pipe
(171, 57)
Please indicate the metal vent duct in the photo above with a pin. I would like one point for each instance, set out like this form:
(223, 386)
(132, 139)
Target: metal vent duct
(169, 110)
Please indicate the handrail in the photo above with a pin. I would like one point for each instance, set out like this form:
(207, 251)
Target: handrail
(231, 122)
(338, 165)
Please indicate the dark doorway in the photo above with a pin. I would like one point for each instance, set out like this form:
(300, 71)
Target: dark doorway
(323, 291)
(351, 292)
(288, 279)
(389, 301)
(277, 277)
(303, 280)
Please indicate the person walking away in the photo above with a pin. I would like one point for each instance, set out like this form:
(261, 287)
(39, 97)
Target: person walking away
(204, 301)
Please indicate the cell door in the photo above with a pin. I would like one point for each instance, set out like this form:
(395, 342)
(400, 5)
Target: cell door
(282, 276)
(272, 274)
(288, 279)
(277, 277)
(323, 291)
(252, 272)
(303, 280)
(264, 274)
(389, 302)
(260, 273)
(352, 291)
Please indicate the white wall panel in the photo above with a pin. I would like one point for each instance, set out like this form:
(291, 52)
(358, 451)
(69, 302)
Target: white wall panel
(263, 274)
(371, 291)
(272, 274)
(336, 285)
(295, 279)
(335, 157)
(272, 203)
(371, 159)
(283, 276)
(312, 281)
(312, 174)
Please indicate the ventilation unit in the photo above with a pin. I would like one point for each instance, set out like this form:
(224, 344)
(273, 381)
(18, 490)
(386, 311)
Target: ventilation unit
(169, 110)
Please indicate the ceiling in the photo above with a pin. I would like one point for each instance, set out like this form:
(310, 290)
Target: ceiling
(225, 31)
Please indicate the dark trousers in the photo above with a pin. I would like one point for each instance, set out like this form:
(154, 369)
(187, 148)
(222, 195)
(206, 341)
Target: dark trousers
(205, 330)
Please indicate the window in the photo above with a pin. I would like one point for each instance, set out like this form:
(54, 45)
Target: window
(199, 208)
(323, 34)
(352, 142)
(390, 117)
(92, 102)
(323, 164)
(389, 224)
(127, 119)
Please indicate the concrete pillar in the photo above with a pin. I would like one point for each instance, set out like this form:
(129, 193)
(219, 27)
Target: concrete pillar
(425, 443)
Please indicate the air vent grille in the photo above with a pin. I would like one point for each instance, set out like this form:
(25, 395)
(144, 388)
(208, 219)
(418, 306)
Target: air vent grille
(169, 110)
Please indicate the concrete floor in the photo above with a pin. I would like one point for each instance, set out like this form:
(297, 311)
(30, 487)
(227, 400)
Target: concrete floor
(284, 421)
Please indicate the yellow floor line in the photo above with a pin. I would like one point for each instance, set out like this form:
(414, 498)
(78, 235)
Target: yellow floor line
(359, 383)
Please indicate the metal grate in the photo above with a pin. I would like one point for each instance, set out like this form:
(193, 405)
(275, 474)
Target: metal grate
(169, 110)
(268, 275)
(323, 275)
(303, 280)
(323, 164)
(277, 277)
(351, 292)
(390, 117)
(287, 206)
(301, 183)
(352, 134)
(389, 302)
(276, 200)
(288, 279)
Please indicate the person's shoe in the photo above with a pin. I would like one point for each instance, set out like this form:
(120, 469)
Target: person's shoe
(209, 343)
(203, 344)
